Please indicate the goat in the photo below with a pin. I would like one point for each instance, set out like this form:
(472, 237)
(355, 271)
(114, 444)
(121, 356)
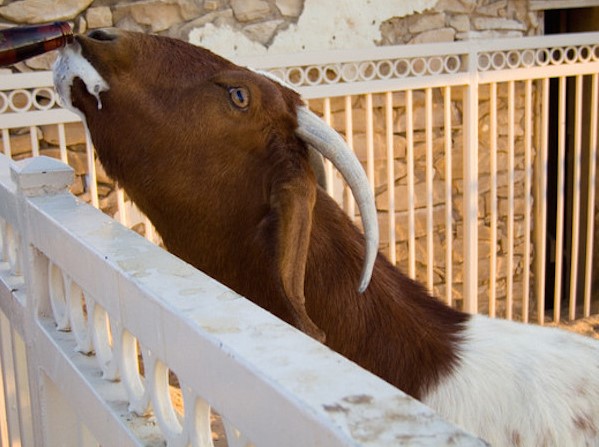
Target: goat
(217, 157)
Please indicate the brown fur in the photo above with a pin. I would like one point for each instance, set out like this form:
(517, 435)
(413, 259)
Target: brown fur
(231, 192)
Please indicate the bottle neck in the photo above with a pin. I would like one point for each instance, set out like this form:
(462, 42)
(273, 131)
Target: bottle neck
(23, 42)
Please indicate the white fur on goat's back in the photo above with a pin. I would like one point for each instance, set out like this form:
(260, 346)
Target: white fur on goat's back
(523, 385)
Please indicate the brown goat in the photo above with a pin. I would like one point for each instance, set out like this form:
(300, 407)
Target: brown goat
(212, 153)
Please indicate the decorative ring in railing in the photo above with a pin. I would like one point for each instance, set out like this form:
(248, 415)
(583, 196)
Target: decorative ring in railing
(69, 307)
(3, 241)
(502, 59)
(10, 247)
(27, 100)
(365, 71)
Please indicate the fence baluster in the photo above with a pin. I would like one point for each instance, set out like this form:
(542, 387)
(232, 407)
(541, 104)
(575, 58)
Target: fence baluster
(591, 195)
(448, 197)
(493, 216)
(576, 191)
(561, 191)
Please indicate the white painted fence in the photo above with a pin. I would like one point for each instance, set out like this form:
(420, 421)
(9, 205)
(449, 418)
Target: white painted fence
(462, 134)
(82, 298)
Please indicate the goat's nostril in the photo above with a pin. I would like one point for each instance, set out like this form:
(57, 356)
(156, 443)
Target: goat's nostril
(102, 35)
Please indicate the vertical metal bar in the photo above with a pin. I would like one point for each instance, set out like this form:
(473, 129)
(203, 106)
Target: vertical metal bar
(35, 144)
(471, 188)
(62, 143)
(10, 383)
(448, 197)
(150, 231)
(329, 172)
(576, 190)
(6, 142)
(22, 386)
(369, 140)
(591, 195)
(410, 156)
(3, 396)
(349, 136)
(390, 175)
(60, 420)
(91, 171)
(561, 168)
(510, 218)
(541, 204)
(527, 197)
(493, 201)
(428, 106)
(121, 206)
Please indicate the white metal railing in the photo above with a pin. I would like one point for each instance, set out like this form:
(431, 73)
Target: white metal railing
(470, 77)
(93, 318)
(460, 133)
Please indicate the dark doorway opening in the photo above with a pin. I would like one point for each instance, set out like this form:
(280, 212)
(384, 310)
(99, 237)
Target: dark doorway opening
(561, 21)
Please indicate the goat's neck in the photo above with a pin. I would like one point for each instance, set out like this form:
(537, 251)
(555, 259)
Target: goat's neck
(395, 319)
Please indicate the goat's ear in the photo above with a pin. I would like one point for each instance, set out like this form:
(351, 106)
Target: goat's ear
(293, 201)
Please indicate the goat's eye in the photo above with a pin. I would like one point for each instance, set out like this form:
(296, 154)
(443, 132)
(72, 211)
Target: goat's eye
(240, 96)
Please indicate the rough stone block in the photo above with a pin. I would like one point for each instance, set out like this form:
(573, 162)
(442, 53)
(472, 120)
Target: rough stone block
(491, 23)
(420, 194)
(426, 22)
(42, 11)
(74, 134)
(290, 8)
(435, 35)
(248, 10)
(262, 32)
(455, 6)
(189, 9)
(380, 146)
(495, 9)
(159, 16)
(461, 23)
(99, 17)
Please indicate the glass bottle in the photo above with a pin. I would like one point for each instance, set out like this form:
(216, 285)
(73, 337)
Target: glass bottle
(22, 42)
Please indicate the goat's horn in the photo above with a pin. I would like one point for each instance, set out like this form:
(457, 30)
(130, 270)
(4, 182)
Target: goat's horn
(329, 143)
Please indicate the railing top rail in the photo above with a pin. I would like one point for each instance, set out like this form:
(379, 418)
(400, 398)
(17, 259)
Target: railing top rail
(346, 72)
(417, 50)
(8, 203)
(33, 79)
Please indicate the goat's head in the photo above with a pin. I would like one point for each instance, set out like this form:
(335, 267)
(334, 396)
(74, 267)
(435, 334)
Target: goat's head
(160, 110)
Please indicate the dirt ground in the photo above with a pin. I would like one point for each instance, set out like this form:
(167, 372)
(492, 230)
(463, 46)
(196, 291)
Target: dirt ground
(586, 326)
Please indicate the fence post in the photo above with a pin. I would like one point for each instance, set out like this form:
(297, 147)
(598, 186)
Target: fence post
(470, 123)
(35, 177)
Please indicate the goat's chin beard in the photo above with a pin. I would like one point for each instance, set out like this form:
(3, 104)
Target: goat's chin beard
(71, 66)
(83, 103)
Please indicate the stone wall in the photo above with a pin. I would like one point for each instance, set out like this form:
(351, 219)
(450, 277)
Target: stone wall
(400, 183)
(246, 27)
(451, 20)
